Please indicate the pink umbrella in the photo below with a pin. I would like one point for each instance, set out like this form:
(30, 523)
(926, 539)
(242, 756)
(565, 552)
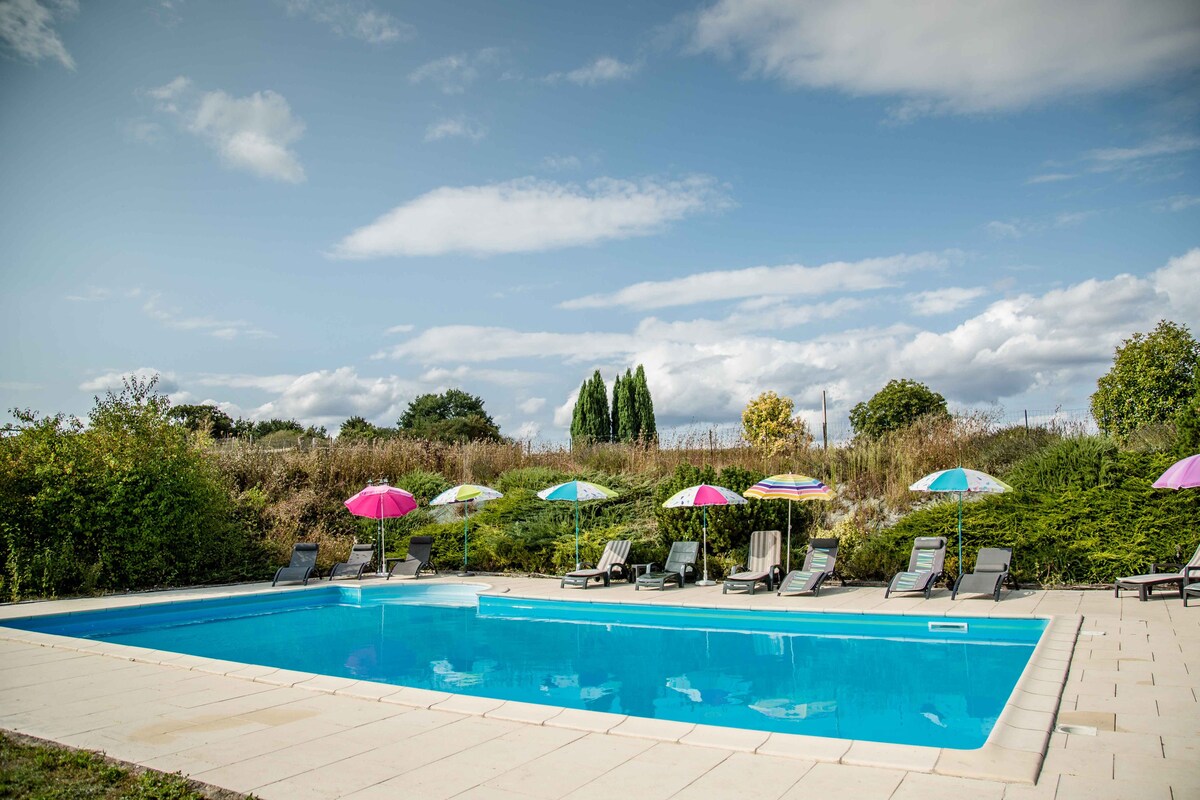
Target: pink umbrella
(1183, 474)
(704, 496)
(378, 501)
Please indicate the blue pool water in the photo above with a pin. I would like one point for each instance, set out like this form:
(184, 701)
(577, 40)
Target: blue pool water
(875, 677)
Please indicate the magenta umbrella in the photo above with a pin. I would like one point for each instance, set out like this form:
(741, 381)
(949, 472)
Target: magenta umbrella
(704, 495)
(1183, 474)
(378, 501)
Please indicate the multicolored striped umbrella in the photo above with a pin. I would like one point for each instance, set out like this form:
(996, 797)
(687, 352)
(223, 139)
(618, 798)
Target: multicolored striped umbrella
(465, 493)
(790, 487)
(968, 481)
(576, 491)
(704, 495)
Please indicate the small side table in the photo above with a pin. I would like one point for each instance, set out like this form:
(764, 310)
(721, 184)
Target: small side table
(639, 569)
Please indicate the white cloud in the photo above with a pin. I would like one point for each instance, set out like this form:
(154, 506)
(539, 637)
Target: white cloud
(1018, 228)
(27, 29)
(1179, 202)
(328, 397)
(174, 317)
(529, 215)
(445, 378)
(527, 432)
(453, 74)
(603, 70)
(400, 329)
(532, 405)
(949, 56)
(90, 294)
(455, 127)
(113, 381)
(779, 281)
(943, 301)
(562, 162)
(1112, 157)
(1050, 177)
(353, 18)
(253, 133)
(706, 370)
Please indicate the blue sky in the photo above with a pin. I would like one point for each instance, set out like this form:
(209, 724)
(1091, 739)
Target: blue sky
(314, 209)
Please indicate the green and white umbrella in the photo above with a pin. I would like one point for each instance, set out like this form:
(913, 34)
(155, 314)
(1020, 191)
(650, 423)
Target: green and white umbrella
(464, 494)
(576, 491)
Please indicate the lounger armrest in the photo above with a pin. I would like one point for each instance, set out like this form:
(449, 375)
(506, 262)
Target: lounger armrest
(736, 568)
(1191, 573)
(1165, 566)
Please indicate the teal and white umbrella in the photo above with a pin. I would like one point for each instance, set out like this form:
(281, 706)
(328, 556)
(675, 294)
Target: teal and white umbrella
(576, 491)
(962, 481)
(465, 494)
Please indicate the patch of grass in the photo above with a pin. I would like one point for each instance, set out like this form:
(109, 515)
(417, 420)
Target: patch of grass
(31, 768)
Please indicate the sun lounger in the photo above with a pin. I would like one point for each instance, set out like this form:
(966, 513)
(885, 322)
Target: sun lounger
(991, 571)
(360, 559)
(680, 561)
(1190, 589)
(762, 564)
(925, 565)
(420, 550)
(612, 560)
(819, 564)
(302, 566)
(1145, 584)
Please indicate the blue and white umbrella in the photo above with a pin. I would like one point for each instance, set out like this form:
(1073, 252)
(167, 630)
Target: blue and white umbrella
(576, 491)
(962, 481)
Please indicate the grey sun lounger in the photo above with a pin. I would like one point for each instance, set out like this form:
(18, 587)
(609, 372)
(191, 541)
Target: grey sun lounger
(1145, 584)
(991, 571)
(925, 566)
(616, 553)
(360, 559)
(420, 550)
(302, 566)
(819, 564)
(680, 561)
(762, 564)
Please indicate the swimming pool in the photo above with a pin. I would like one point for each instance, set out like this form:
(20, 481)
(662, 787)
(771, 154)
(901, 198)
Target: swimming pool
(927, 681)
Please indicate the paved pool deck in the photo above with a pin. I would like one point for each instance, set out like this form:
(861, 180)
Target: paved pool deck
(1127, 674)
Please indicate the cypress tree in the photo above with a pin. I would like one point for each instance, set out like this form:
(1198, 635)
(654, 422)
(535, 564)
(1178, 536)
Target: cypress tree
(643, 404)
(627, 430)
(618, 419)
(590, 420)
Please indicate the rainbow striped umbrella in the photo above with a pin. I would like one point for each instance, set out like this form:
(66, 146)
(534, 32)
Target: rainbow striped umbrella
(465, 493)
(790, 487)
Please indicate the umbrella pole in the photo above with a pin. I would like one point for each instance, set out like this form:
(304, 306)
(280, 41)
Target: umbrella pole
(466, 519)
(704, 547)
(379, 570)
(960, 534)
(577, 561)
(789, 555)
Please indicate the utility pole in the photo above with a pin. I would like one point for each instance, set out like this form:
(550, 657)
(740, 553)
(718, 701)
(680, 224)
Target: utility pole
(824, 423)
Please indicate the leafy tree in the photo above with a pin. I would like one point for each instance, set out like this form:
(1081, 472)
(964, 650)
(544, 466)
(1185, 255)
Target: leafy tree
(206, 418)
(131, 501)
(452, 416)
(357, 429)
(1187, 423)
(1150, 381)
(646, 430)
(590, 421)
(768, 423)
(266, 427)
(897, 405)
